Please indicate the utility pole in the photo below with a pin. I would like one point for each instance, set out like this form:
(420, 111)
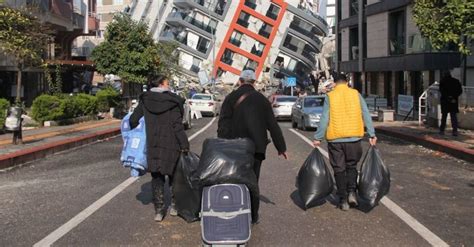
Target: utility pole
(213, 43)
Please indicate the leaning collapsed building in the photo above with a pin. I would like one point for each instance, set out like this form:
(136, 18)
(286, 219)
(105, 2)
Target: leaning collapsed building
(220, 38)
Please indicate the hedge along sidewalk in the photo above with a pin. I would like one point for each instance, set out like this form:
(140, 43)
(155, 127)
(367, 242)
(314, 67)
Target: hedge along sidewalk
(461, 147)
(47, 141)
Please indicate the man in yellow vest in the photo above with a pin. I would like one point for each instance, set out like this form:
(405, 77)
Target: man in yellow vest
(345, 114)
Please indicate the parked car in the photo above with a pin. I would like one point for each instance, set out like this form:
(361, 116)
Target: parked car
(206, 104)
(282, 106)
(187, 117)
(306, 112)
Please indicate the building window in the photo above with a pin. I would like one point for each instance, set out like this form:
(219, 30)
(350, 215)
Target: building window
(228, 57)
(354, 7)
(265, 30)
(195, 67)
(273, 11)
(251, 4)
(251, 65)
(243, 19)
(354, 43)
(396, 29)
(258, 48)
(236, 38)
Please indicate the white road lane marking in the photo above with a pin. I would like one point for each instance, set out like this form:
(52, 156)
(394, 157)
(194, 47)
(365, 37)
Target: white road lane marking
(419, 228)
(84, 214)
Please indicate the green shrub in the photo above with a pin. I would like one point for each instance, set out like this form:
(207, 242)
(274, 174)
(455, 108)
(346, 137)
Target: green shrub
(107, 98)
(71, 108)
(4, 105)
(86, 104)
(49, 108)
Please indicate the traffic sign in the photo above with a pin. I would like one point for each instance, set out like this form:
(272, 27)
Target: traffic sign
(291, 82)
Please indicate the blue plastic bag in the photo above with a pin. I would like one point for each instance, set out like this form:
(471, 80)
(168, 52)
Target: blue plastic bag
(134, 147)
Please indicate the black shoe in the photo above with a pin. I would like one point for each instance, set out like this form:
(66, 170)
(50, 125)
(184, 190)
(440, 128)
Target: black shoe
(344, 205)
(352, 199)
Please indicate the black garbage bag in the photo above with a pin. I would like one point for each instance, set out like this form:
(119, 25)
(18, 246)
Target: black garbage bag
(228, 161)
(374, 178)
(315, 180)
(187, 197)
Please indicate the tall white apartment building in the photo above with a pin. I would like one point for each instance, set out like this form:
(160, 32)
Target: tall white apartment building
(106, 9)
(224, 37)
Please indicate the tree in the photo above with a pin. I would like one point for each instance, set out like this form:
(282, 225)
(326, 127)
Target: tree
(130, 52)
(446, 22)
(23, 38)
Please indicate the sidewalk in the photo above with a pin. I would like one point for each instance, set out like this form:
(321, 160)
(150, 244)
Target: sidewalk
(461, 146)
(41, 142)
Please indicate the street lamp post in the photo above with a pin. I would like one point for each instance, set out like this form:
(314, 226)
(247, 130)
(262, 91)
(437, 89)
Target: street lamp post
(213, 40)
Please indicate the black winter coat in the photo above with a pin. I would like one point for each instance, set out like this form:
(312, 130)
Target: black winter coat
(164, 129)
(251, 119)
(450, 89)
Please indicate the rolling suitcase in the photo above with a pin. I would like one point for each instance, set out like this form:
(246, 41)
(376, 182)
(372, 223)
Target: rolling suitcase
(226, 215)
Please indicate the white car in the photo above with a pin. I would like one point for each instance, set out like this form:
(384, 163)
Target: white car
(282, 106)
(206, 104)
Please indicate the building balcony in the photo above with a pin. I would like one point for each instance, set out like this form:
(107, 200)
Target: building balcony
(217, 10)
(189, 46)
(302, 55)
(300, 73)
(314, 19)
(307, 35)
(180, 18)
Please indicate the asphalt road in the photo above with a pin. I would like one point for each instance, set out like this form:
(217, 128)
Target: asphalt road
(35, 200)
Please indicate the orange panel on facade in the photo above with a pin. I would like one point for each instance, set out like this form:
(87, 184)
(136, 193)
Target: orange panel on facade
(266, 41)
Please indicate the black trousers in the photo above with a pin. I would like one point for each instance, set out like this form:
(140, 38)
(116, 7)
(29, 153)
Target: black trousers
(454, 121)
(344, 157)
(158, 190)
(255, 199)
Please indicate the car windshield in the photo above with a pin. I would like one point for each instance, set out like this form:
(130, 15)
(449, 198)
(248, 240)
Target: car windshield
(202, 97)
(313, 102)
(286, 99)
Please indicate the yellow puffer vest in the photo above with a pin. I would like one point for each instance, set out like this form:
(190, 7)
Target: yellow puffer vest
(345, 114)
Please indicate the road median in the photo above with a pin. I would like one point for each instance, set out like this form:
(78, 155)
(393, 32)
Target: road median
(428, 141)
(37, 152)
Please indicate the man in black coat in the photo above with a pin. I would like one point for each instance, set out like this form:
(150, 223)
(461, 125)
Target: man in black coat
(166, 138)
(246, 113)
(450, 89)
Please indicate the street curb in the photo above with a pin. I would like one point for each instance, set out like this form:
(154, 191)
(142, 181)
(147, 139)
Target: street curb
(34, 153)
(431, 143)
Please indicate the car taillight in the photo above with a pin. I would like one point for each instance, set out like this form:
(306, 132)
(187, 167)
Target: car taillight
(211, 104)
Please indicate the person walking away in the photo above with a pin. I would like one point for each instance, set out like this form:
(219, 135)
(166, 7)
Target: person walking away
(166, 138)
(345, 114)
(246, 113)
(450, 89)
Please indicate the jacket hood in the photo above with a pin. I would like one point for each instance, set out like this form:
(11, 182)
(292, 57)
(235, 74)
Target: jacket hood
(158, 103)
